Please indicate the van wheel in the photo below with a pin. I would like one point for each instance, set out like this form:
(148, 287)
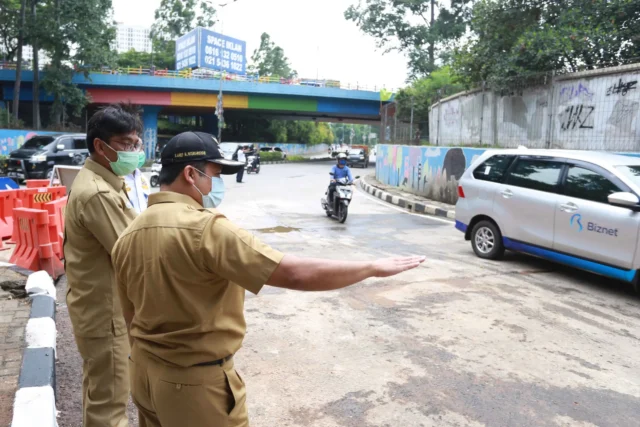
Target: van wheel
(486, 240)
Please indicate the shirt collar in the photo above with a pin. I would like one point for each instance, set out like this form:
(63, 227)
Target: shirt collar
(171, 197)
(112, 179)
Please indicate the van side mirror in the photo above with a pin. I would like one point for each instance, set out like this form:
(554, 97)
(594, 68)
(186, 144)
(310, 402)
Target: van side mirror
(624, 200)
(59, 147)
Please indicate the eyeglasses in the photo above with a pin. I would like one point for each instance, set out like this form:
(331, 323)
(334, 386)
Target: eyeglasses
(129, 146)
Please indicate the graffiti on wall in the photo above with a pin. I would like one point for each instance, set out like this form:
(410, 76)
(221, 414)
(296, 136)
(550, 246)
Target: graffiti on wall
(623, 115)
(432, 172)
(577, 117)
(13, 139)
(575, 91)
(621, 87)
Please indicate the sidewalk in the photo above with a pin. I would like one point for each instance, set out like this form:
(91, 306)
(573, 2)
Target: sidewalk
(411, 202)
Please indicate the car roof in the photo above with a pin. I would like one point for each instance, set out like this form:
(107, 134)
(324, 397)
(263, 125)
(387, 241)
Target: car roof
(603, 158)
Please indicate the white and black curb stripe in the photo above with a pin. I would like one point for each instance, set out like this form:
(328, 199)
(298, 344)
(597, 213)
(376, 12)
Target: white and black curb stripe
(410, 205)
(35, 402)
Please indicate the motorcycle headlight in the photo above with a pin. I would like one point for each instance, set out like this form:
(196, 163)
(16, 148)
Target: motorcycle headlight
(37, 158)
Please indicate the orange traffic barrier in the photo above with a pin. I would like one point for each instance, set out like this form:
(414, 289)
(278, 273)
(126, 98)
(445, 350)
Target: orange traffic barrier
(37, 183)
(56, 223)
(34, 249)
(35, 198)
(7, 203)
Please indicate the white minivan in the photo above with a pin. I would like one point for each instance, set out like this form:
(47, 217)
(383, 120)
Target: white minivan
(580, 208)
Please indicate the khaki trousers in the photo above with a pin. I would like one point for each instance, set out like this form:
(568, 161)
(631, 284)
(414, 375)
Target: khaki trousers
(202, 396)
(105, 380)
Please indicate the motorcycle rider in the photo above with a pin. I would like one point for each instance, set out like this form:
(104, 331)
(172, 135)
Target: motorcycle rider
(256, 159)
(340, 170)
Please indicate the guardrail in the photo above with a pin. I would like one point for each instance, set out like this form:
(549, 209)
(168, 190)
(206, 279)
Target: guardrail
(206, 74)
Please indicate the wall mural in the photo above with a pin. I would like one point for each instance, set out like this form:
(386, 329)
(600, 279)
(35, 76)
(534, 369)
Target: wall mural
(432, 172)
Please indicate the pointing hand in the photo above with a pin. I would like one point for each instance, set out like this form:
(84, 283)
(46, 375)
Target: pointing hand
(392, 266)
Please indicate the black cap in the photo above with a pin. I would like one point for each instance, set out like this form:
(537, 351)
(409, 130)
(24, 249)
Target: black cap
(190, 147)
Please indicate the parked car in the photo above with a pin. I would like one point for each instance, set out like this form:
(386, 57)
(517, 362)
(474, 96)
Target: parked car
(580, 208)
(274, 150)
(37, 156)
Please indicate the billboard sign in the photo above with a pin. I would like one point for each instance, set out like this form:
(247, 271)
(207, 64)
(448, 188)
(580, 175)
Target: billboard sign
(202, 48)
(187, 51)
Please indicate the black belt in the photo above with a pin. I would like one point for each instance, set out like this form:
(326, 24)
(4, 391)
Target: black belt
(218, 362)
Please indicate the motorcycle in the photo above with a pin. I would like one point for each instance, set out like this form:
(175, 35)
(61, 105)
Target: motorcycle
(250, 167)
(339, 206)
(154, 179)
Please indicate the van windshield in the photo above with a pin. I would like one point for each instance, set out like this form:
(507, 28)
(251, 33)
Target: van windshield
(631, 171)
(38, 142)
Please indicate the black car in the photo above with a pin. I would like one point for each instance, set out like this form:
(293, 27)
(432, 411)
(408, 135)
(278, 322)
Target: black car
(37, 157)
(358, 157)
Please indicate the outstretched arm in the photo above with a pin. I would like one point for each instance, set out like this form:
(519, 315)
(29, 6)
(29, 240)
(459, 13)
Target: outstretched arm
(312, 274)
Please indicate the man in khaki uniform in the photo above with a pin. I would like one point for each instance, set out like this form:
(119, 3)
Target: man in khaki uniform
(182, 271)
(97, 213)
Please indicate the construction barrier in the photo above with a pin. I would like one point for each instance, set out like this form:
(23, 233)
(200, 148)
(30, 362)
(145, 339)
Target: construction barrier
(37, 183)
(35, 198)
(56, 223)
(34, 249)
(8, 199)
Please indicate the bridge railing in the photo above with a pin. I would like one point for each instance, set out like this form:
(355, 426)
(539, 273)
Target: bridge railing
(206, 74)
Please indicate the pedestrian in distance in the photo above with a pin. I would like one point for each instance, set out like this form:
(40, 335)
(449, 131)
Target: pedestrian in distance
(97, 212)
(182, 269)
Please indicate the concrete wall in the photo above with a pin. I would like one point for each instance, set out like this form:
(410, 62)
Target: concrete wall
(299, 149)
(13, 139)
(432, 172)
(593, 110)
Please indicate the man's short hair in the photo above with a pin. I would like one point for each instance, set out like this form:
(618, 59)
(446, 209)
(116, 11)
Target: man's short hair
(169, 173)
(115, 119)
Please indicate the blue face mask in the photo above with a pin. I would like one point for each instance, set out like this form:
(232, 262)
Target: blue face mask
(342, 162)
(215, 196)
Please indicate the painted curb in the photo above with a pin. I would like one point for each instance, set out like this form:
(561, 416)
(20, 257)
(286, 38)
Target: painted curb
(410, 205)
(35, 401)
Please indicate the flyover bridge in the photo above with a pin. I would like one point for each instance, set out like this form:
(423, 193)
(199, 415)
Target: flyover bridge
(196, 92)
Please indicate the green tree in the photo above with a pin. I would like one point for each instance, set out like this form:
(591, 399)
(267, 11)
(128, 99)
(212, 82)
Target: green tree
(411, 26)
(269, 60)
(518, 39)
(9, 28)
(173, 19)
(78, 37)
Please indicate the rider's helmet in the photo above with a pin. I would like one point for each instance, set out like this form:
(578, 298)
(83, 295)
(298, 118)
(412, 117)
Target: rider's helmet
(342, 159)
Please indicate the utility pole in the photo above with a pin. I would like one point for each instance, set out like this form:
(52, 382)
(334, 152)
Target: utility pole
(36, 71)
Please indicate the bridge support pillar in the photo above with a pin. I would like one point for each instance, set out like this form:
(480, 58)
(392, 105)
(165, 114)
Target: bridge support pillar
(210, 124)
(150, 129)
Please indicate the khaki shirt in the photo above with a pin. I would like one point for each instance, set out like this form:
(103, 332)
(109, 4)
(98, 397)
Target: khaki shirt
(183, 270)
(97, 212)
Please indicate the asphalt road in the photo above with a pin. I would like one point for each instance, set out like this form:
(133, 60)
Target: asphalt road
(457, 342)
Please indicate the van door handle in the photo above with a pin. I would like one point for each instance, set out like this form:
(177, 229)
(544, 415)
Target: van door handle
(569, 207)
(507, 194)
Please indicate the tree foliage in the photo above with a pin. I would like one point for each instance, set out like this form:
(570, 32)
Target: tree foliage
(173, 19)
(134, 59)
(77, 35)
(517, 39)
(413, 27)
(269, 60)
(9, 28)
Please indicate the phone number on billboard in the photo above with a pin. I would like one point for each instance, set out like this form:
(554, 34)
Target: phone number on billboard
(223, 63)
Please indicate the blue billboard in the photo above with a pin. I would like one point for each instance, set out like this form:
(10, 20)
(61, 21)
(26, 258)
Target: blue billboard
(202, 48)
(187, 50)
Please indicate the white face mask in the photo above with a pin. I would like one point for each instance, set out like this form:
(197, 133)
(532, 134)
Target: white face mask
(215, 196)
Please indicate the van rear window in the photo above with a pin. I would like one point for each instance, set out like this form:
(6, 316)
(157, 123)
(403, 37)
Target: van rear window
(38, 142)
(493, 168)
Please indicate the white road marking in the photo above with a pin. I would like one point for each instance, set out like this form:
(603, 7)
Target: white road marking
(389, 205)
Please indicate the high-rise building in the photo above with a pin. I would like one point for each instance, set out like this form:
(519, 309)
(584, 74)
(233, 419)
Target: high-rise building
(131, 37)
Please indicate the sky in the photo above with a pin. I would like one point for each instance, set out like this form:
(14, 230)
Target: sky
(314, 34)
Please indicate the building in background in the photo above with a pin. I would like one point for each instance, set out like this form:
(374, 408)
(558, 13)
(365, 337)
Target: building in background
(27, 57)
(132, 37)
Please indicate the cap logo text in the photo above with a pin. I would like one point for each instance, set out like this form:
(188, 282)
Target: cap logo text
(190, 154)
